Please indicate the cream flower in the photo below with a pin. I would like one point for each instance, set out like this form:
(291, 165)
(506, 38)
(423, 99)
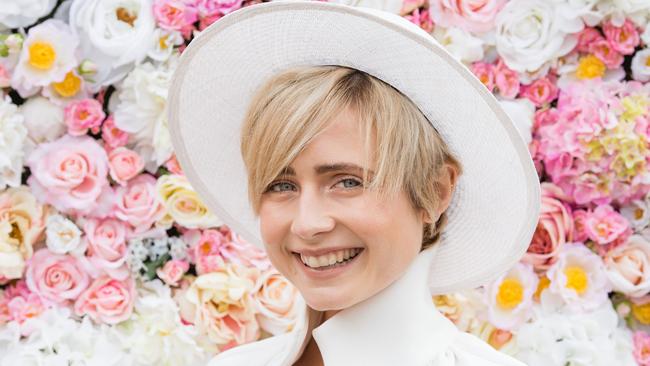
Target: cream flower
(62, 235)
(48, 54)
(277, 302)
(12, 138)
(114, 34)
(22, 220)
(531, 33)
(628, 267)
(637, 213)
(182, 204)
(22, 13)
(641, 65)
(578, 278)
(460, 43)
(141, 110)
(510, 297)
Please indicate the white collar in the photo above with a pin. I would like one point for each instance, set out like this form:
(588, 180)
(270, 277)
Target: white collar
(398, 325)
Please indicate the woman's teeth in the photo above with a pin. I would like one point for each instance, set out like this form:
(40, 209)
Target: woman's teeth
(329, 259)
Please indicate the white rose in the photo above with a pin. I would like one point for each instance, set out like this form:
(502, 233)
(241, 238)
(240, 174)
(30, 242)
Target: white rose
(114, 35)
(461, 44)
(522, 113)
(22, 13)
(641, 65)
(12, 137)
(62, 235)
(43, 119)
(531, 33)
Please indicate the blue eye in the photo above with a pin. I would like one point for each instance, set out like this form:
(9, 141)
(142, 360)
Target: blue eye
(350, 183)
(281, 187)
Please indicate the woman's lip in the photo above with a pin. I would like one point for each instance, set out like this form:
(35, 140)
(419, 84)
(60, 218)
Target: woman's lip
(323, 274)
(316, 253)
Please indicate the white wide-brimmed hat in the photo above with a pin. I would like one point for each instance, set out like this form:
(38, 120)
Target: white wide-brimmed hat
(495, 206)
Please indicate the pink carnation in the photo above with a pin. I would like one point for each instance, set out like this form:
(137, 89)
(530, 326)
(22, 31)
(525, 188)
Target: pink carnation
(107, 300)
(124, 164)
(623, 39)
(177, 15)
(641, 347)
(541, 91)
(606, 53)
(604, 225)
(113, 137)
(82, 115)
(55, 277)
(69, 173)
(138, 204)
(470, 15)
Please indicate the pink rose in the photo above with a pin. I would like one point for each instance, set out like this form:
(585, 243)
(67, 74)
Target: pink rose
(107, 247)
(112, 136)
(173, 166)
(606, 53)
(124, 164)
(604, 225)
(69, 173)
(107, 300)
(623, 39)
(484, 72)
(138, 204)
(471, 15)
(177, 15)
(82, 115)
(641, 347)
(277, 302)
(173, 271)
(545, 117)
(211, 8)
(55, 277)
(586, 37)
(555, 228)
(506, 81)
(541, 91)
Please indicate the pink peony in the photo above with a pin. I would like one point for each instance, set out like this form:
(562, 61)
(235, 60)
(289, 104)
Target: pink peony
(138, 203)
(541, 91)
(55, 277)
(69, 173)
(606, 53)
(554, 229)
(124, 164)
(173, 271)
(506, 81)
(641, 347)
(107, 300)
(485, 73)
(604, 225)
(113, 137)
(176, 15)
(471, 15)
(106, 240)
(82, 115)
(623, 39)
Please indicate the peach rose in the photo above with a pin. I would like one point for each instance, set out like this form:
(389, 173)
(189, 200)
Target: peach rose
(107, 248)
(58, 278)
(173, 271)
(628, 267)
(555, 227)
(124, 164)
(277, 302)
(22, 223)
(107, 300)
(69, 173)
(138, 203)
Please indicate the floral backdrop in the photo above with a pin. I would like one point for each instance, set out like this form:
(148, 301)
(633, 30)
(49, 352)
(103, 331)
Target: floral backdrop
(108, 257)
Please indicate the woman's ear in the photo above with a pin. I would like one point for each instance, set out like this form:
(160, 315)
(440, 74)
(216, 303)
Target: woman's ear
(446, 183)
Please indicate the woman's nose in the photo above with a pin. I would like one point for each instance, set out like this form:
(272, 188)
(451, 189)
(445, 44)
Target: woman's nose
(311, 217)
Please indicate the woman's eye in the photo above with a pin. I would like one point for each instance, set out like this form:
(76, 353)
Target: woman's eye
(281, 187)
(349, 183)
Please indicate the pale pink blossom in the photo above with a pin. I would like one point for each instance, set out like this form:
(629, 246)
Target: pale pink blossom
(604, 224)
(57, 278)
(471, 15)
(83, 115)
(106, 242)
(107, 300)
(112, 136)
(124, 164)
(138, 204)
(173, 271)
(177, 15)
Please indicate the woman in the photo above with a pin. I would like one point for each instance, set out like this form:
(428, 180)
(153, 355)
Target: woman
(373, 168)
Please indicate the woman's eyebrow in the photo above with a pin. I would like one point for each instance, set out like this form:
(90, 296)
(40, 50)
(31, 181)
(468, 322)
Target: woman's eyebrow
(328, 168)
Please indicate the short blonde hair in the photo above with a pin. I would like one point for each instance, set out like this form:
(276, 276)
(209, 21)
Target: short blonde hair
(293, 106)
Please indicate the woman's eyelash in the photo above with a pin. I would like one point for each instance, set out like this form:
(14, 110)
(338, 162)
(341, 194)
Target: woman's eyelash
(290, 186)
(276, 184)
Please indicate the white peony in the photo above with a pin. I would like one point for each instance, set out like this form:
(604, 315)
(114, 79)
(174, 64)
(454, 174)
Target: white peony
(22, 13)
(641, 65)
(12, 138)
(531, 33)
(510, 297)
(48, 54)
(62, 235)
(114, 35)
(522, 113)
(461, 44)
(44, 121)
(618, 10)
(164, 42)
(578, 339)
(141, 110)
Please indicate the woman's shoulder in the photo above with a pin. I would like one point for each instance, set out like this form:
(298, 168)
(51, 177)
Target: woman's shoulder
(469, 350)
(267, 352)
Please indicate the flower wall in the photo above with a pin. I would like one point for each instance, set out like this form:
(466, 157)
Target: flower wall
(109, 257)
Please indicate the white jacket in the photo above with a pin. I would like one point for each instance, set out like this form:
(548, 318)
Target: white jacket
(399, 326)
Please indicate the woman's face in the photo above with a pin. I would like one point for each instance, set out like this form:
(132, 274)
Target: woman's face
(319, 212)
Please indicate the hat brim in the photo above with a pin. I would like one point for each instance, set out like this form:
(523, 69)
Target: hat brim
(495, 206)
